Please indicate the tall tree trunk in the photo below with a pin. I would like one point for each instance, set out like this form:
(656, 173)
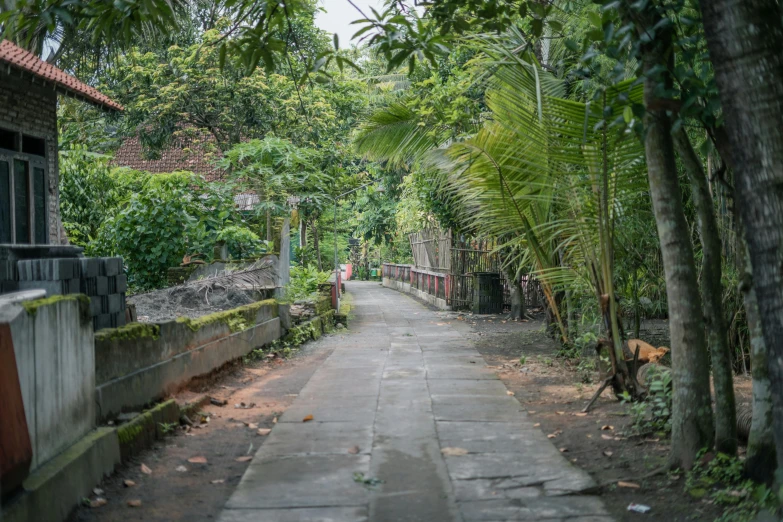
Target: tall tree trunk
(712, 294)
(268, 225)
(692, 427)
(517, 298)
(316, 245)
(760, 460)
(745, 38)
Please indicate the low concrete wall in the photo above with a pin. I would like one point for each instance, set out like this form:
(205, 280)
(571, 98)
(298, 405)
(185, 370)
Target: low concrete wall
(424, 296)
(142, 363)
(53, 342)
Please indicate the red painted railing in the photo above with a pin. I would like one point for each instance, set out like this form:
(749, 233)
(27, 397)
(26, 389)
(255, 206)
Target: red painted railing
(428, 281)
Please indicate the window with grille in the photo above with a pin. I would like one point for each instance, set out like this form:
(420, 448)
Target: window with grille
(23, 194)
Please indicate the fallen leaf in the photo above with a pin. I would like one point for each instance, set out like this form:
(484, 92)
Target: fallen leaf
(244, 459)
(197, 460)
(353, 450)
(97, 492)
(607, 427)
(252, 425)
(129, 483)
(146, 470)
(274, 421)
(454, 452)
(531, 412)
(608, 453)
(606, 437)
(134, 503)
(218, 481)
(509, 392)
(264, 432)
(308, 418)
(632, 485)
(98, 502)
(563, 450)
(181, 469)
(580, 414)
(537, 424)
(551, 436)
(560, 413)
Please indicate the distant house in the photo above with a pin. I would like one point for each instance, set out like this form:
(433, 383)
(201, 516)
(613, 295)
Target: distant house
(195, 153)
(29, 193)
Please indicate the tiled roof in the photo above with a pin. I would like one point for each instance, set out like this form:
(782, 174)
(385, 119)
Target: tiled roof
(17, 57)
(183, 155)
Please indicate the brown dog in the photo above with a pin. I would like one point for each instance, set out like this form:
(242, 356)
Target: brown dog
(647, 352)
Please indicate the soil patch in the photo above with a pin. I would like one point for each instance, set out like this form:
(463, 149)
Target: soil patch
(554, 391)
(193, 473)
(188, 301)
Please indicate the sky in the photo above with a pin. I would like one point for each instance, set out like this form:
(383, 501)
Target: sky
(339, 15)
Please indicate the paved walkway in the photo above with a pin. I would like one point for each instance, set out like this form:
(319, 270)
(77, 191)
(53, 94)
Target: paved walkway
(429, 420)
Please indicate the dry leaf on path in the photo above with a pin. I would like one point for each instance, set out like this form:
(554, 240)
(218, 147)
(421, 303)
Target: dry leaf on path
(244, 459)
(218, 481)
(129, 483)
(632, 485)
(98, 502)
(560, 413)
(353, 450)
(551, 436)
(563, 450)
(308, 418)
(145, 470)
(274, 421)
(134, 503)
(252, 425)
(531, 412)
(607, 427)
(537, 425)
(608, 453)
(181, 469)
(454, 452)
(197, 460)
(580, 414)
(264, 431)
(606, 437)
(508, 392)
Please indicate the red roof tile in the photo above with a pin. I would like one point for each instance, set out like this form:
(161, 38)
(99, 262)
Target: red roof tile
(184, 154)
(17, 57)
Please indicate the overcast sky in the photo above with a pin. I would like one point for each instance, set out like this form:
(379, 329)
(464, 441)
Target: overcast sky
(339, 15)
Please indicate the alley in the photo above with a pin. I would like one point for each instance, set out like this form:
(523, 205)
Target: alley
(404, 422)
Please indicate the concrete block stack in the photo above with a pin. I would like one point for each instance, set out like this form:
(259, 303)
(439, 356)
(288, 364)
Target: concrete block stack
(101, 279)
(104, 283)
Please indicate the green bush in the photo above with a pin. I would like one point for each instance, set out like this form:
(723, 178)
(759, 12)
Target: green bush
(169, 216)
(304, 282)
(241, 242)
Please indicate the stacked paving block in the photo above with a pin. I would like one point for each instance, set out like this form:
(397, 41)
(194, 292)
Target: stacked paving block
(104, 283)
(100, 278)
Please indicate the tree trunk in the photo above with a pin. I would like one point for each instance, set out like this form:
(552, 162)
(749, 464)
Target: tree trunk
(712, 294)
(517, 298)
(744, 38)
(692, 427)
(268, 225)
(316, 246)
(760, 460)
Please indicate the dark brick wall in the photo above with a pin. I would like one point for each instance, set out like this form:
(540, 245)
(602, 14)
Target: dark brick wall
(30, 107)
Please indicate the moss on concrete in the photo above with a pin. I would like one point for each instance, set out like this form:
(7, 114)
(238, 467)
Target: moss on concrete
(139, 433)
(84, 304)
(237, 319)
(128, 332)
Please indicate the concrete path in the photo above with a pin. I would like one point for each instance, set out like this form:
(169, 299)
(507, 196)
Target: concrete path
(409, 425)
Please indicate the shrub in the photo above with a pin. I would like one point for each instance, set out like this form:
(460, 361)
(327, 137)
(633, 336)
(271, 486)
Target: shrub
(242, 242)
(304, 282)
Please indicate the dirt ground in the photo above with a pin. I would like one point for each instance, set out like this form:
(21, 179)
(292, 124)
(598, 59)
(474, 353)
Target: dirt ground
(179, 490)
(186, 301)
(554, 392)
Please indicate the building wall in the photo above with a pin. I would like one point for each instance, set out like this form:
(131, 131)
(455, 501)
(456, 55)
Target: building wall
(31, 108)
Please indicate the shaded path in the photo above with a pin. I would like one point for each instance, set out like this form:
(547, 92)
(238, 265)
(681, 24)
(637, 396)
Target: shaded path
(407, 400)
